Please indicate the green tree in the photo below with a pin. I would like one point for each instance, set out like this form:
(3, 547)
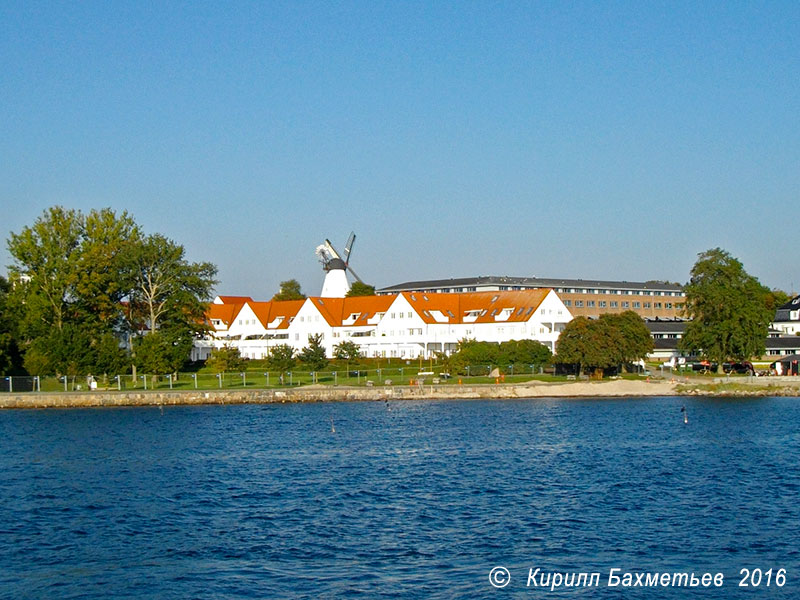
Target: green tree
(167, 289)
(636, 341)
(777, 298)
(105, 267)
(596, 344)
(313, 355)
(471, 353)
(347, 351)
(46, 269)
(728, 307)
(359, 288)
(290, 290)
(225, 360)
(524, 352)
(10, 359)
(282, 359)
(163, 351)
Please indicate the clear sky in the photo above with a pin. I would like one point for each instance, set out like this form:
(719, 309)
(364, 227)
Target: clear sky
(595, 140)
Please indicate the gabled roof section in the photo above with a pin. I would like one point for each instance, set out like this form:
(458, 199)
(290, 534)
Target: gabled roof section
(282, 310)
(232, 299)
(225, 313)
(336, 311)
(477, 307)
(494, 306)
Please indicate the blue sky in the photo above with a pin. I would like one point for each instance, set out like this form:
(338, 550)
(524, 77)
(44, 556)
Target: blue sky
(596, 140)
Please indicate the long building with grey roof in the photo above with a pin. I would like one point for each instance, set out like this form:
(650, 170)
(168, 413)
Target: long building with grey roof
(591, 298)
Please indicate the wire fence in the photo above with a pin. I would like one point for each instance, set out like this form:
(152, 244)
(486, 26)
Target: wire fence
(264, 379)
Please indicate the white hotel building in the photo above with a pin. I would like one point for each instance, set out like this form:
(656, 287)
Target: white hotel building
(405, 325)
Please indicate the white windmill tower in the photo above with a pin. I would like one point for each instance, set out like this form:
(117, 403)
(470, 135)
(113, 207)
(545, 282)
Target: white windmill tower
(336, 265)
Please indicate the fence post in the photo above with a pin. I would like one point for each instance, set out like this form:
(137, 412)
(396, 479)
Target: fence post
(10, 383)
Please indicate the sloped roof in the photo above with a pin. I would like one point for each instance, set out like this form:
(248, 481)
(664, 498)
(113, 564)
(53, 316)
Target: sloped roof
(530, 282)
(232, 299)
(223, 312)
(336, 310)
(486, 305)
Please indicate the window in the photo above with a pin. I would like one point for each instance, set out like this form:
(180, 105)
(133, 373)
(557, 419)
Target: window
(602, 303)
(637, 305)
(668, 305)
(590, 304)
(578, 303)
(614, 304)
(658, 304)
(567, 302)
(647, 305)
(626, 305)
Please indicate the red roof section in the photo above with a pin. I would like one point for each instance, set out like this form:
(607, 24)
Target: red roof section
(488, 305)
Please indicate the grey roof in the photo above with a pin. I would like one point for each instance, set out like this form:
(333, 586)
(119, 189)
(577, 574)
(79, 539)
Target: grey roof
(539, 282)
(784, 312)
(666, 326)
(786, 342)
(793, 304)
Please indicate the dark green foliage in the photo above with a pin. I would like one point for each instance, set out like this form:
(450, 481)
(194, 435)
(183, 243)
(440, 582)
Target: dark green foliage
(10, 358)
(359, 288)
(515, 352)
(83, 282)
(589, 343)
(613, 340)
(313, 355)
(636, 342)
(281, 358)
(225, 360)
(290, 290)
(163, 351)
(729, 310)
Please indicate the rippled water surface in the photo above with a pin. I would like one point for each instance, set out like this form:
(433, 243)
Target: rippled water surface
(404, 500)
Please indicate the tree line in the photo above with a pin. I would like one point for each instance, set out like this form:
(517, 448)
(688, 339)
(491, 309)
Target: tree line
(94, 293)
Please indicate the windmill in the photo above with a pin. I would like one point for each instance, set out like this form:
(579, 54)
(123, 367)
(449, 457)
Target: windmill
(336, 264)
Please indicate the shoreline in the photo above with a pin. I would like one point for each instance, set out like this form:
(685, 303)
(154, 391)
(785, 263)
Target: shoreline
(619, 388)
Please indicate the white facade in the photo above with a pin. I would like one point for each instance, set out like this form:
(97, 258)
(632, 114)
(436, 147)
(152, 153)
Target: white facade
(408, 325)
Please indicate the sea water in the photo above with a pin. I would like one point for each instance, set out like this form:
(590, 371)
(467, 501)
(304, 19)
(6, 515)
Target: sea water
(401, 499)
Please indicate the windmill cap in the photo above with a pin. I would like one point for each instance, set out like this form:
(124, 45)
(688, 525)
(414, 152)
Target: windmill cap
(335, 263)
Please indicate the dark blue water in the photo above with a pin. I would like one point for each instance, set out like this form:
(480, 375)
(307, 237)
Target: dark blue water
(405, 500)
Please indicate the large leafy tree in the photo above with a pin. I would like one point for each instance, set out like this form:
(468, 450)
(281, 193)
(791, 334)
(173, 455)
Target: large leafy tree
(359, 288)
(47, 259)
(729, 309)
(290, 290)
(80, 281)
(105, 266)
(636, 341)
(168, 291)
(596, 344)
